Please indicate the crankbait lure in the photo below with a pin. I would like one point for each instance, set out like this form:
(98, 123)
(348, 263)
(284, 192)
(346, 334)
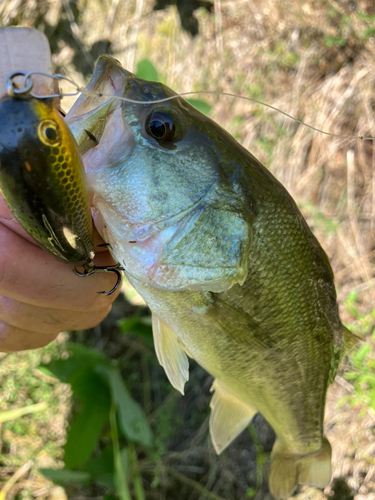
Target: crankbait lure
(42, 177)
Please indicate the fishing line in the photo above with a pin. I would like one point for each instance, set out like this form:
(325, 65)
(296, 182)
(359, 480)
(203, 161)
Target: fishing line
(227, 94)
(14, 91)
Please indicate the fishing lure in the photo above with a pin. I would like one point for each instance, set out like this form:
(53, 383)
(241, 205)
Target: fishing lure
(42, 178)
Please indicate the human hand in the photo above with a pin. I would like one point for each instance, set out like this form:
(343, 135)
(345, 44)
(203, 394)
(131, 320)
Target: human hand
(39, 296)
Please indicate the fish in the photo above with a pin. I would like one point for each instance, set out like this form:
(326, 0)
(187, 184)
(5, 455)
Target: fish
(42, 178)
(220, 252)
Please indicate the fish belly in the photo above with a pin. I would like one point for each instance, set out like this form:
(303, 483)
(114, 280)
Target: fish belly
(256, 375)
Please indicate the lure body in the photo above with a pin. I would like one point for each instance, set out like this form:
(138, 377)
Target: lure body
(42, 178)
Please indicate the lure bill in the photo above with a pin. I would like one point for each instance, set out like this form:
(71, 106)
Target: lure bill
(42, 178)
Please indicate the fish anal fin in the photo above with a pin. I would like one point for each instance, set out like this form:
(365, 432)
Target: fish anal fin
(288, 469)
(170, 353)
(229, 416)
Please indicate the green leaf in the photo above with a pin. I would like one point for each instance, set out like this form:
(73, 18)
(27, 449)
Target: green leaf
(200, 105)
(124, 458)
(79, 370)
(102, 463)
(131, 417)
(101, 468)
(367, 378)
(81, 357)
(352, 297)
(251, 492)
(360, 355)
(330, 41)
(106, 480)
(138, 326)
(146, 70)
(88, 356)
(60, 368)
(87, 424)
(129, 324)
(120, 465)
(65, 475)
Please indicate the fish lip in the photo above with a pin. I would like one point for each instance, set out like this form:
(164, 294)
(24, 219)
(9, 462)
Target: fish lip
(107, 82)
(100, 98)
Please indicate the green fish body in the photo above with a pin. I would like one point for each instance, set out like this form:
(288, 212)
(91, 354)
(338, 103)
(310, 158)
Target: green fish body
(223, 257)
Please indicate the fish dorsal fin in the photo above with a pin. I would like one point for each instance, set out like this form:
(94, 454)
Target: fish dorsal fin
(350, 339)
(170, 354)
(229, 416)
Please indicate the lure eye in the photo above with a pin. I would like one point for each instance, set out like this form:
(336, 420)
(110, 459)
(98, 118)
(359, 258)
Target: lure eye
(49, 133)
(160, 125)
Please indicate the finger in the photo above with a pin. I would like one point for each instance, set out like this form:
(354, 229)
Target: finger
(46, 320)
(8, 220)
(30, 275)
(15, 339)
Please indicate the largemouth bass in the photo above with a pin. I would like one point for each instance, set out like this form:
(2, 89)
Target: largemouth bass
(42, 178)
(227, 264)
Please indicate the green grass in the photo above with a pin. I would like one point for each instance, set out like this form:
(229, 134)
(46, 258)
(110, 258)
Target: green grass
(360, 369)
(22, 387)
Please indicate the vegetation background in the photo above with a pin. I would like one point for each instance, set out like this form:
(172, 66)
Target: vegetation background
(93, 415)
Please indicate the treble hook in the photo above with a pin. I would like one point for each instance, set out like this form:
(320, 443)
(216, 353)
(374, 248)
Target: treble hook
(89, 269)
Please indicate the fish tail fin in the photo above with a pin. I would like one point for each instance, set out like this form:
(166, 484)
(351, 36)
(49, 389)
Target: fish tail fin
(289, 469)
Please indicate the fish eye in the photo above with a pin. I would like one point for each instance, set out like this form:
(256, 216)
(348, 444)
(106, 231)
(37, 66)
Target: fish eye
(49, 133)
(160, 125)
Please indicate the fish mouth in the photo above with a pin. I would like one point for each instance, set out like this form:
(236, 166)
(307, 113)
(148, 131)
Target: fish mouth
(105, 93)
(108, 80)
(90, 113)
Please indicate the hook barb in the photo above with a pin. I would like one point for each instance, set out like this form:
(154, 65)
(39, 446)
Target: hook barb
(89, 269)
(118, 274)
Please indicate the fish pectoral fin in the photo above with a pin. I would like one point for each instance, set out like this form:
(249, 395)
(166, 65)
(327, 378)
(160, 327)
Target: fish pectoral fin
(170, 353)
(229, 416)
(288, 469)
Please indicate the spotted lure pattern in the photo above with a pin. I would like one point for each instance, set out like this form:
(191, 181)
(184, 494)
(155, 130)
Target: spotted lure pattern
(42, 178)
